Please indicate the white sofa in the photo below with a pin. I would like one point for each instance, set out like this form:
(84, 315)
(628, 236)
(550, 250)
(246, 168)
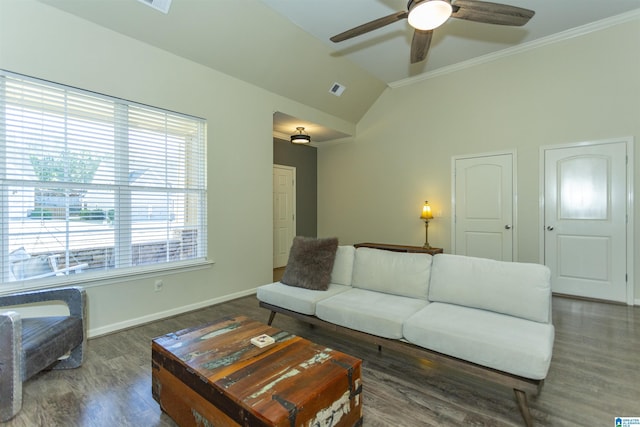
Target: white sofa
(490, 318)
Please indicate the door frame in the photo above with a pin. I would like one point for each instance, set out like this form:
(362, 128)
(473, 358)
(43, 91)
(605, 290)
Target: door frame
(629, 142)
(293, 203)
(514, 195)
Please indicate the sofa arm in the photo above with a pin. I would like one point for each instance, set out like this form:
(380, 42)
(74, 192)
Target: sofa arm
(73, 297)
(10, 354)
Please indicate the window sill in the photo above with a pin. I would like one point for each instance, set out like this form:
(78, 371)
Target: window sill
(93, 279)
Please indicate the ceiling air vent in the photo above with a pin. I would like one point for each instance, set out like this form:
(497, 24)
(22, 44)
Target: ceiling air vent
(161, 5)
(337, 89)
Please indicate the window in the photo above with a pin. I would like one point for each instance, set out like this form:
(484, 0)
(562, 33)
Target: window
(93, 183)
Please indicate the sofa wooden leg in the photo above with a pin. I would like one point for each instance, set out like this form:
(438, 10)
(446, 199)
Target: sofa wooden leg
(271, 316)
(523, 405)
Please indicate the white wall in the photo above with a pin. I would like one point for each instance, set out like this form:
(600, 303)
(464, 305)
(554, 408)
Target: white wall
(43, 42)
(581, 89)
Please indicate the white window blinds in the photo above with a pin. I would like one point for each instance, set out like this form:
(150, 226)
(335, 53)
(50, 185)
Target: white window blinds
(93, 183)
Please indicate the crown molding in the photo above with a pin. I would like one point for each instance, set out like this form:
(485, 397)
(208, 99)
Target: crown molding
(535, 44)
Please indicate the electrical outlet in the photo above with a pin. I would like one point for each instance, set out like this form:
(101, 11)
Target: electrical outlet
(158, 285)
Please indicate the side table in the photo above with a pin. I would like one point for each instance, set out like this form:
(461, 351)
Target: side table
(400, 248)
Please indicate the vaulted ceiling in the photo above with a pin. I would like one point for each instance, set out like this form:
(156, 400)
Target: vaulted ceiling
(283, 45)
(384, 53)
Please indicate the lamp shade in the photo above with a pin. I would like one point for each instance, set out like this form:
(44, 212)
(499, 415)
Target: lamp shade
(426, 212)
(428, 14)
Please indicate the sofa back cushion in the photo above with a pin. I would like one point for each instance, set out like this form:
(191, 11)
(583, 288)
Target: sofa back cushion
(396, 273)
(343, 265)
(513, 288)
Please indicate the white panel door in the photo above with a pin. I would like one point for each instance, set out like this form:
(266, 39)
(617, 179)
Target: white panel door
(585, 220)
(483, 206)
(284, 225)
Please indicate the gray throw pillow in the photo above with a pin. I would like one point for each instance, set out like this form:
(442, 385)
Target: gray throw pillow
(310, 263)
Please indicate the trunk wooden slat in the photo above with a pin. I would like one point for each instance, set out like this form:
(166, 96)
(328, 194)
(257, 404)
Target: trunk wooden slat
(213, 375)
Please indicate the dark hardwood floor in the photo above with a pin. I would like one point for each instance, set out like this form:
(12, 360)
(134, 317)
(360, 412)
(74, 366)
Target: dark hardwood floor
(594, 376)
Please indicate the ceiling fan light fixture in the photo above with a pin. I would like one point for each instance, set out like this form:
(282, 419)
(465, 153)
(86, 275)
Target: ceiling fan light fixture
(428, 14)
(300, 137)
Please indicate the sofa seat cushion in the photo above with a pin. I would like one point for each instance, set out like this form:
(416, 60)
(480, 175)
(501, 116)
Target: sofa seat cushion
(511, 344)
(296, 299)
(397, 273)
(514, 288)
(375, 313)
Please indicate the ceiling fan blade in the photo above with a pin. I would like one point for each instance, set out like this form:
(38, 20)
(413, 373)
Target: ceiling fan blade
(420, 45)
(491, 13)
(369, 26)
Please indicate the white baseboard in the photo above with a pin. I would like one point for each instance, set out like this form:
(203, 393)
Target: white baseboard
(114, 327)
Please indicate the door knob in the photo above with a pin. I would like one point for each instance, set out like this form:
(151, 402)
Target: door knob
(507, 227)
(550, 227)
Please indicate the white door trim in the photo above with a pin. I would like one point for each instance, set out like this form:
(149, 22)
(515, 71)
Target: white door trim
(514, 190)
(629, 141)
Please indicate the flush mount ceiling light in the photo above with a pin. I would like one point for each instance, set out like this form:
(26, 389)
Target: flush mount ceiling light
(300, 137)
(428, 14)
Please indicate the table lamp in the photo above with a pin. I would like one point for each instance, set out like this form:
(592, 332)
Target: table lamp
(426, 216)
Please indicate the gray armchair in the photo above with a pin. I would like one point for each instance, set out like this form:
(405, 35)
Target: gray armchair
(30, 345)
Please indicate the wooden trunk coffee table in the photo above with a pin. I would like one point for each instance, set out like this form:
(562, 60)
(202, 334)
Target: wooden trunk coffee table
(213, 375)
